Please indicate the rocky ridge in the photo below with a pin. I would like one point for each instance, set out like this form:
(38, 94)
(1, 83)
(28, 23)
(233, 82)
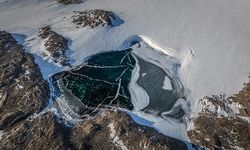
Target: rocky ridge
(107, 130)
(55, 45)
(67, 2)
(23, 91)
(223, 123)
(94, 18)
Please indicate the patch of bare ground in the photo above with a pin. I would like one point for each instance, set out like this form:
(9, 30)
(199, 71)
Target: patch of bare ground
(221, 124)
(55, 44)
(67, 2)
(117, 130)
(94, 18)
(23, 90)
(43, 132)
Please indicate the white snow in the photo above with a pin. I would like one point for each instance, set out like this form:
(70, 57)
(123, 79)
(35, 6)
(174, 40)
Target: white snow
(143, 74)
(139, 96)
(167, 126)
(27, 72)
(208, 39)
(167, 85)
(19, 86)
(1, 134)
(115, 139)
(224, 108)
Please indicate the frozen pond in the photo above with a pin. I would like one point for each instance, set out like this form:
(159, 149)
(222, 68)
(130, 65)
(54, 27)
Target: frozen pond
(103, 80)
(151, 79)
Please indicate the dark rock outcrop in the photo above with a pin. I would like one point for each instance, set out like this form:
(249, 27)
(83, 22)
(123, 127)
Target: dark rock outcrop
(228, 130)
(224, 133)
(66, 2)
(23, 90)
(55, 44)
(117, 130)
(107, 130)
(243, 98)
(42, 132)
(96, 17)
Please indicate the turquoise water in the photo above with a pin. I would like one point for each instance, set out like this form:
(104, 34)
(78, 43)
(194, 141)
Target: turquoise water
(103, 79)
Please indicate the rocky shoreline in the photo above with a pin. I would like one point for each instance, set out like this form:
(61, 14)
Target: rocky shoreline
(25, 93)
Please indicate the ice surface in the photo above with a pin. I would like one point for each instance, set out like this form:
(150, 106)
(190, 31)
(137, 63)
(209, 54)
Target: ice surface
(167, 84)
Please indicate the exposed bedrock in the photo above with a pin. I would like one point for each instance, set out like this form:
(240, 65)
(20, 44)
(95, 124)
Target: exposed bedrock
(224, 133)
(55, 45)
(222, 122)
(117, 130)
(43, 132)
(23, 90)
(67, 2)
(107, 130)
(96, 17)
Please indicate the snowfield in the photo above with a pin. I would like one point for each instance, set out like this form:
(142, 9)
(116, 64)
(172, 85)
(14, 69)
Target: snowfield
(209, 39)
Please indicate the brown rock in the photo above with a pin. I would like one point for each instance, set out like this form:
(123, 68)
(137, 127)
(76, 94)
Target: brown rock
(43, 132)
(243, 98)
(66, 2)
(95, 17)
(229, 132)
(23, 90)
(107, 130)
(55, 44)
(114, 130)
(226, 133)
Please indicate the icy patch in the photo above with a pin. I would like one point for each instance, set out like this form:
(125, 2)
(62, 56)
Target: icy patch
(167, 126)
(47, 68)
(66, 111)
(179, 103)
(115, 139)
(167, 84)
(156, 46)
(20, 38)
(139, 96)
(144, 74)
(166, 59)
(116, 21)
